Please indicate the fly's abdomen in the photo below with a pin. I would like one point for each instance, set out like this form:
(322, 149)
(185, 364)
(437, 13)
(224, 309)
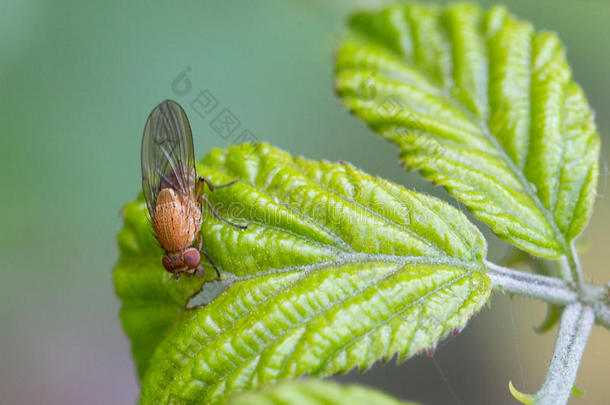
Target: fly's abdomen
(176, 222)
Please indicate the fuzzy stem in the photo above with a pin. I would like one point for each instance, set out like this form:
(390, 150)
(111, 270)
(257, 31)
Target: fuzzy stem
(548, 289)
(574, 266)
(602, 314)
(576, 323)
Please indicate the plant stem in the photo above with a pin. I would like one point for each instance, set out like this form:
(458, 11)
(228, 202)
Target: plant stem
(576, 323)
(548, 289)
(602, 314)
(565, 269)
(571, 269)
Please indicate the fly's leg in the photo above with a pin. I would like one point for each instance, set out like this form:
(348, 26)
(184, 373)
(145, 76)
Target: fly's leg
(200, 248)
(211, 185)
(211, 262)
(203, 199)
(199, 192)
(204, 180)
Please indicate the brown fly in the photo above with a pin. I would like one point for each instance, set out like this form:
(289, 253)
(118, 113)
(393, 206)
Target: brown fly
(172, 190)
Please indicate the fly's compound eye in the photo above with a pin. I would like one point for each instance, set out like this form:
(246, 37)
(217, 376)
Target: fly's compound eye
(167, 263)
(191, 258)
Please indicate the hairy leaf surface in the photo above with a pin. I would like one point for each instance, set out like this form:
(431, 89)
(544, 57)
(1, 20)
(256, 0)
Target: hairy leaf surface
(313, 392)
(337, 269)
(484, 105)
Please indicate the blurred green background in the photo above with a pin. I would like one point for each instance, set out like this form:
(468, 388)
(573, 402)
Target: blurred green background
(77, 82)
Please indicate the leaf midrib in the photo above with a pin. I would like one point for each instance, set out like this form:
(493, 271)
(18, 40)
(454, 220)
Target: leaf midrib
(355, 293)
(525, 184)
(365, 258)
(520, 176)
(401, 261)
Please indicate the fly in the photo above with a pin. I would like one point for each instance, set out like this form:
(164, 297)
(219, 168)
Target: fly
(173, 191)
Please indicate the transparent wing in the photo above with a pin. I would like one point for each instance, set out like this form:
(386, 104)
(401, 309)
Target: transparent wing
(168, 159)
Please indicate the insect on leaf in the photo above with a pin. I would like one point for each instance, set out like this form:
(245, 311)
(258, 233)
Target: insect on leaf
(337, 269)
(480, 103)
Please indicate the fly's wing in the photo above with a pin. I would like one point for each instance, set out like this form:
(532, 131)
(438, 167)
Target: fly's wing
(168, 159)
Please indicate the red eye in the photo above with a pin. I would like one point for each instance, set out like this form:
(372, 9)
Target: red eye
(167, 263)
(192, 258)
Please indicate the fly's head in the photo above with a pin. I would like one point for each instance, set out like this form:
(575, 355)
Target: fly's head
(185, 261)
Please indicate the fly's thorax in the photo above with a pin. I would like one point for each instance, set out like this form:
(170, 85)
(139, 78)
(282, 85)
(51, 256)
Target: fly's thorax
(176, 220)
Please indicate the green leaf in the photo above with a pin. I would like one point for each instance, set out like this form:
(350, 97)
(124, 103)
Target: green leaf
(553, 315)
(577, 392)
(526, 399)
(313, 392)
(337, 269)
(484, 105)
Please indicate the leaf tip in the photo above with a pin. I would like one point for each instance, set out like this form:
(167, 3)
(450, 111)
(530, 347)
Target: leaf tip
(552, 317)
(526, 399)
(577, 392)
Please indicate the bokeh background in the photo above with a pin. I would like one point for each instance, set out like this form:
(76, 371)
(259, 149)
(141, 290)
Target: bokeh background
(77, 80)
